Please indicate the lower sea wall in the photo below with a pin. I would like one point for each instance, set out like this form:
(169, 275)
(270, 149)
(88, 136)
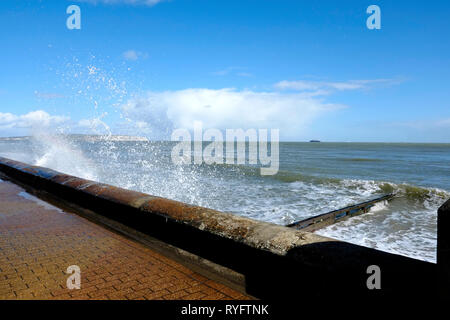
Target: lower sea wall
(275, 262)
(443, 251)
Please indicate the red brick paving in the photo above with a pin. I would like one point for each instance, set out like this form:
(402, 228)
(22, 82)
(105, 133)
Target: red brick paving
(38, 243)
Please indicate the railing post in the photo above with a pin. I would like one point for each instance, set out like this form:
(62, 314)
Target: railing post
(443, 250)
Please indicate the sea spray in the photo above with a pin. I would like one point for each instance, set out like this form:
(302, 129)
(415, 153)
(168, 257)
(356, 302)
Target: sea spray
(406, 225)
(313, 178)
(62, 154)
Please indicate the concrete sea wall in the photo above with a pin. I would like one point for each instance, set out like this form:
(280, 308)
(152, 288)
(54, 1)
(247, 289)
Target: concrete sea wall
(263, 259)
(443, 250)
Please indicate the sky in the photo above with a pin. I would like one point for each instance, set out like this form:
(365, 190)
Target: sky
(312, 69)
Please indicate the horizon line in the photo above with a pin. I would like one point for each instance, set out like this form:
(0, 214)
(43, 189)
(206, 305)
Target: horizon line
(283, 141)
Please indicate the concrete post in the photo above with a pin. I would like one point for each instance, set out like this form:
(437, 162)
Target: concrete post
(443, 250)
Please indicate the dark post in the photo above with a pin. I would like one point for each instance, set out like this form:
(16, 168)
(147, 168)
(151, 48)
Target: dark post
(443, 250)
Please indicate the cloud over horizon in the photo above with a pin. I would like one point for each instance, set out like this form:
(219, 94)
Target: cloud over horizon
(30, 120)
(325, 87)
(293, 107)
(228, 108)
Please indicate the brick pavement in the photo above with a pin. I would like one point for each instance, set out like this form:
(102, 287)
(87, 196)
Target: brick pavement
(38, 242)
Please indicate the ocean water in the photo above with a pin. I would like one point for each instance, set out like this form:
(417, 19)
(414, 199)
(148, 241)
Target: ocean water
(313, 178)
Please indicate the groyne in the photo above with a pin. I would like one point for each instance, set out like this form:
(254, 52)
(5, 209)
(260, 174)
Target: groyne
(261, 259)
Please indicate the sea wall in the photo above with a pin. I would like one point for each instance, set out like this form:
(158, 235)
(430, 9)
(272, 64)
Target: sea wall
(273, 261)
(443, 249)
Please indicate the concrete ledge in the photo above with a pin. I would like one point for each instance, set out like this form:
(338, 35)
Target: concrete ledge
(273, 259)
(261, 235)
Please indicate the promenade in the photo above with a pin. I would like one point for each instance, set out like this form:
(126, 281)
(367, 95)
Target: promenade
(38, 242)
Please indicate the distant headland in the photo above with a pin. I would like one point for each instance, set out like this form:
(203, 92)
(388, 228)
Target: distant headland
(86, 137)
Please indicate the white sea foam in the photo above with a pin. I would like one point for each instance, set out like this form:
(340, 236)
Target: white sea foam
(402, 233)
(379, 206)
(402, 226)
(58, 153)
(406, 225)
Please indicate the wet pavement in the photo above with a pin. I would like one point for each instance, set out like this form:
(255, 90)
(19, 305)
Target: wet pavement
(38, 242)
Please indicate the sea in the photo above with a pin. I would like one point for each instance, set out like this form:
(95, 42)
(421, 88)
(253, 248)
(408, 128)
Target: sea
(313, 178)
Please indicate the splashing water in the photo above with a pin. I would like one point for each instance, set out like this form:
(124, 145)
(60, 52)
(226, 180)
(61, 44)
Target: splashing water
(405, 225)
(61, 154)
(313, 178)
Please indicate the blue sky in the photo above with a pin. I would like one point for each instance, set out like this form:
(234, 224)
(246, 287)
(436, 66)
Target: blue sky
(310, 68)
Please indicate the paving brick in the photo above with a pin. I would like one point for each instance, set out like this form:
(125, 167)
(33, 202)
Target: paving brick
(176, 295)
(158, 295)
(108, 284)
(195, 289)
(126, 285)
(194, 296)
(138, 294)
(38, 244)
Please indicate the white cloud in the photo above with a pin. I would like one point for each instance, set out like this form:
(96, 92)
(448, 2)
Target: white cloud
(325, 87)
(30, 120)
(94, 125)
(443, 123)
(132, 2)
(133, 55)
(48, 95)
(228, 108)
(232, 70)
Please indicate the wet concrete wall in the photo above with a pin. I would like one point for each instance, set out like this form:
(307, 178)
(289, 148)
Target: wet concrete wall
(276, 262)
(443, 251)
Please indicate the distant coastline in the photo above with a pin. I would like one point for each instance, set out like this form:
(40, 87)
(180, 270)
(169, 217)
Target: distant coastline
(93, 138)
(87, 137)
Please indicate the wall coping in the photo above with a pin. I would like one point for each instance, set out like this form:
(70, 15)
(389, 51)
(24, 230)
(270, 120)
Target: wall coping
(263, 258)
(258, 234)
